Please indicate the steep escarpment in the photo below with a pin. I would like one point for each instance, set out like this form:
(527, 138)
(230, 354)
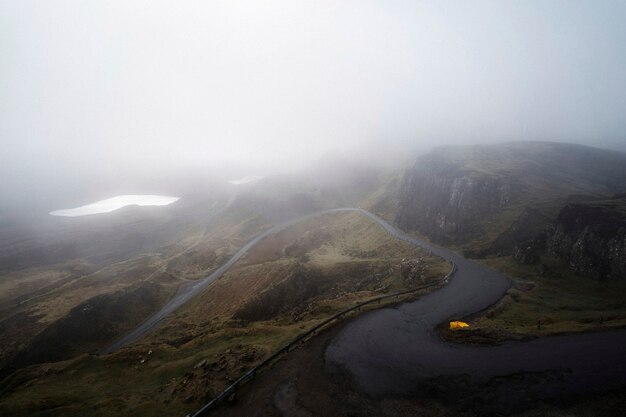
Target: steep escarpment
(486, 199)
(447, 202)
(591, 238)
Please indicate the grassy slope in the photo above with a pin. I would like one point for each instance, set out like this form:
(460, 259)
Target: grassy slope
(74, 285)
(334, 249)
(562, 301)
(39, 302)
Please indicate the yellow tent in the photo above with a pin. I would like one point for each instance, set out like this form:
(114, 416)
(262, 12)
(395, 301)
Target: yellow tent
(458, 325)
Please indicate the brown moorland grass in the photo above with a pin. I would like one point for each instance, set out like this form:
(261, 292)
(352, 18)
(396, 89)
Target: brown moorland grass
(204, 346)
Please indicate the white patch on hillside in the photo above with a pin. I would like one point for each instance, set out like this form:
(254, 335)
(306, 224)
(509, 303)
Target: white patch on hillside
(115, 203)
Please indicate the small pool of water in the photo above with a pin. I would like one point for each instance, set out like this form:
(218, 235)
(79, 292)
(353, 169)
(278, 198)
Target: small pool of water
(115, 203)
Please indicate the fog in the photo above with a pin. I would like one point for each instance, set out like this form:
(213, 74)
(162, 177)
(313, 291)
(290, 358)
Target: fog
(118, 92)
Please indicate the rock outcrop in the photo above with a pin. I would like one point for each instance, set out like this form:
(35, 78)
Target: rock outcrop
(446, 202)
(527, 252)
(413, 271)
(591, 238)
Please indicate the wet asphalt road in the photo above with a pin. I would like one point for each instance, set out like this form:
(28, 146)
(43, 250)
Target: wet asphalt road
(394, 350)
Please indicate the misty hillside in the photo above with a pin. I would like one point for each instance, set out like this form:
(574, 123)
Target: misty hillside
(485, 198)
(112, 270)
(312, 208)
(75, 285)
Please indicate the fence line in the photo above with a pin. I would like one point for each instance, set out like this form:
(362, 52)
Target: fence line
(232, 388)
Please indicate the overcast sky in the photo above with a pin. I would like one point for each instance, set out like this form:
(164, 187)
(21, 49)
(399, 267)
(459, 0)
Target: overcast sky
(92, 87)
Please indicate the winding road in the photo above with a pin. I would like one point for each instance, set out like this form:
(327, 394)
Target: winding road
(187, 292)
(393, 350)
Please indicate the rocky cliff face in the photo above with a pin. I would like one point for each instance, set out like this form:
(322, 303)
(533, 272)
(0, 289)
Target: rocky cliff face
(447, 202)
(591, 238)
(445, 206)
(497, 199)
